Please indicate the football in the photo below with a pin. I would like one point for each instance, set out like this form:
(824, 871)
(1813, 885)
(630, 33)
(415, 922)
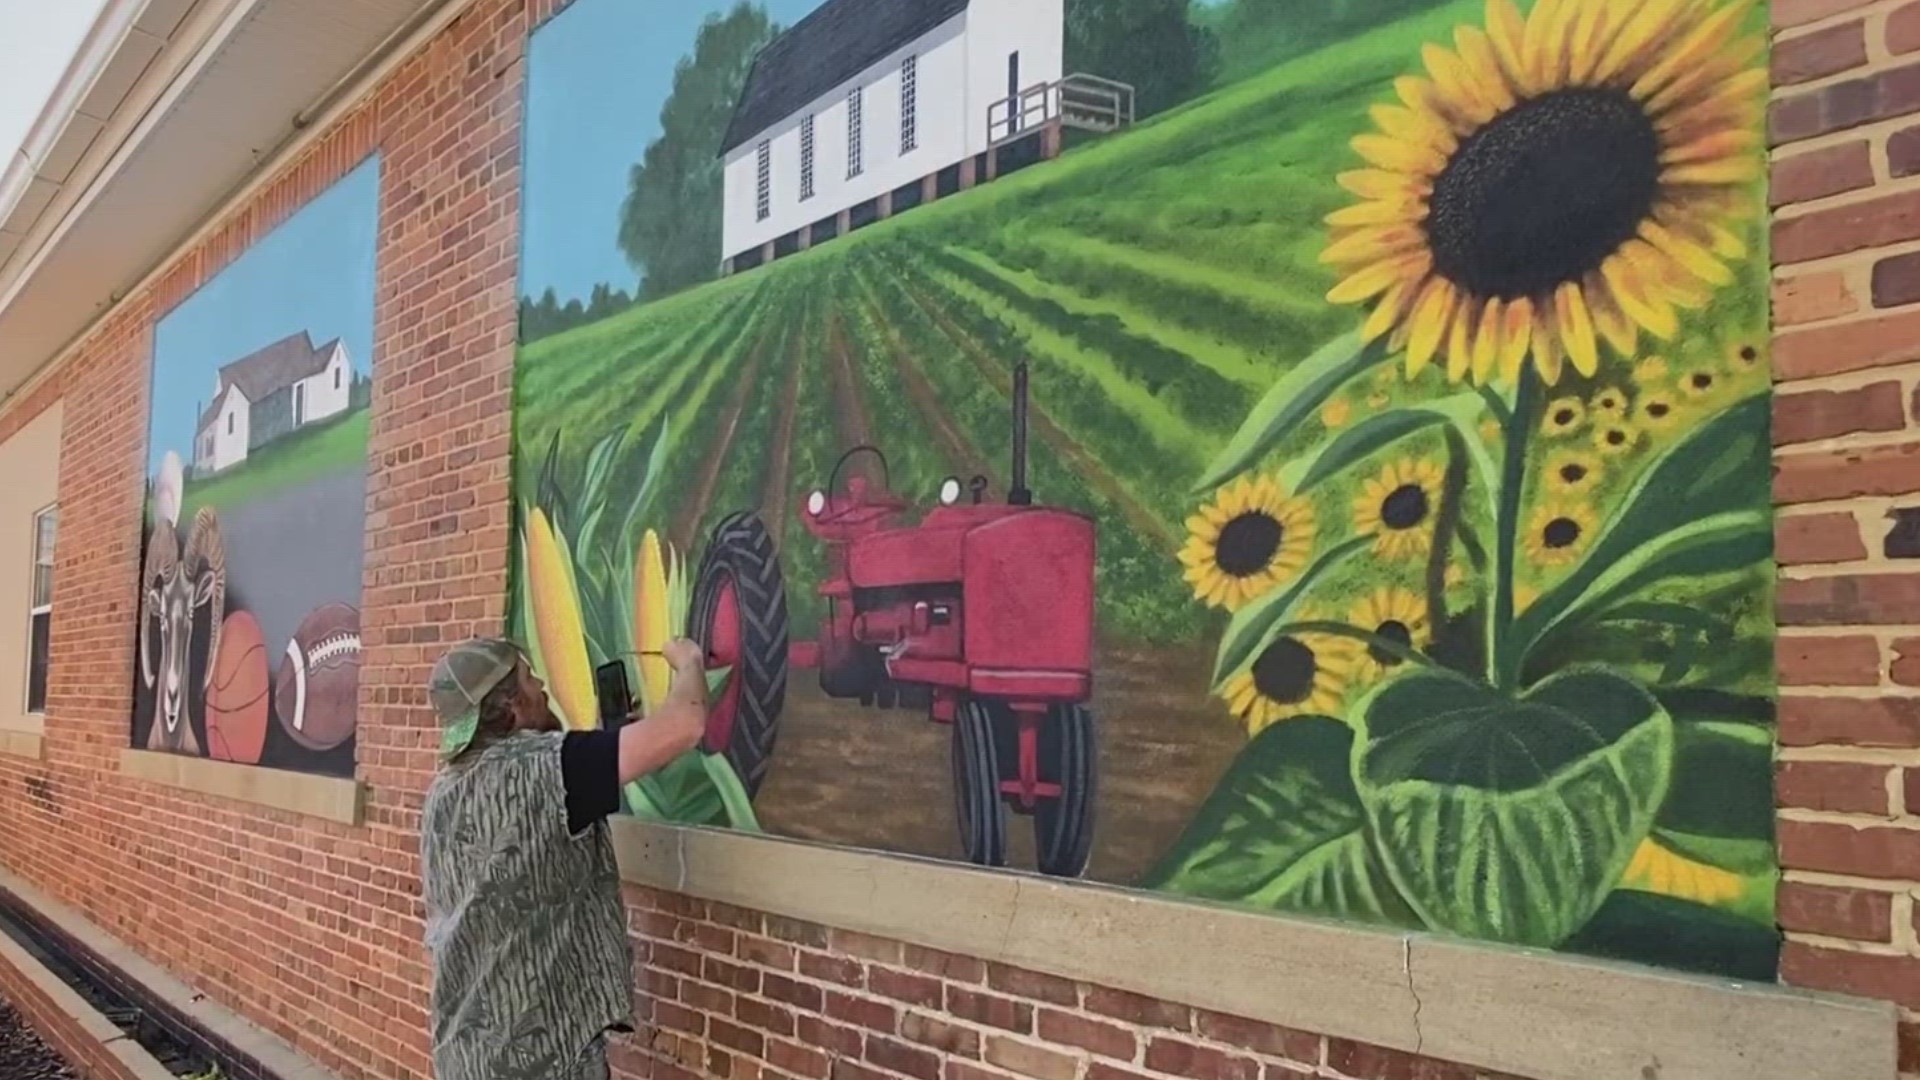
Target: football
(237, 705)
(316, 693)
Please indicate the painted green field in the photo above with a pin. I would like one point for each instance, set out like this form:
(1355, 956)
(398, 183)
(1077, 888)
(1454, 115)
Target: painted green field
(283, 463)
(1158, 281)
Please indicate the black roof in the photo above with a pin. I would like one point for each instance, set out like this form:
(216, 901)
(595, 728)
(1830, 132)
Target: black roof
(839, 40)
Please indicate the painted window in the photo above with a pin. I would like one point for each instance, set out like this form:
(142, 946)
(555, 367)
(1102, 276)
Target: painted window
(763, 182)
(336, 377)
(806, 157)
(300, 403)
(909, 104)
(229, 423)
(855, 121)
(46, 524)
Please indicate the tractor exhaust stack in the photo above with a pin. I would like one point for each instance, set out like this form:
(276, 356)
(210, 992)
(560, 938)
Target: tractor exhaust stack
(1018, 495)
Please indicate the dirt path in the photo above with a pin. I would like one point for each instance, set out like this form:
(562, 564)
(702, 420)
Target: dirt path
(695, 508)
(1144, 521)
(960, 454)
(774, 496)
(849, 408)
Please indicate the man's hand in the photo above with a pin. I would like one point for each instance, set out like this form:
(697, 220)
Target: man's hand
(677, 724)
(684, 655)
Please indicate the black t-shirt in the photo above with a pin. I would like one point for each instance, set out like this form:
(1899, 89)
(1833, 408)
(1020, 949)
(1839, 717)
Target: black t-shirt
(590, 769)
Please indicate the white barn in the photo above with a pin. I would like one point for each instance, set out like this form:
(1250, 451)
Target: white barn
(269, 393)
(868, 106)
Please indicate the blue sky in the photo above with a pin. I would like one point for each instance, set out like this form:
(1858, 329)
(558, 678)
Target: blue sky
(314, 273)
(597, 76)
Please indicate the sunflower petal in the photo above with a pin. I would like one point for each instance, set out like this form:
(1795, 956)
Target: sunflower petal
(1735, 170)
(1576, 328)
(1695, 259)
(1417, 127)
(1634, 47)
(1460, 342)
(1386, 313)
(1369, 244)
(1546, 343)
(1636, 293)
(1398, 155)
(1516, 338)
(1429, 323)
(1376, 184)
(1507, 30)
(1694, 52)
(1375, 212)
(1487, 340)
(1714, 146)
(1451, 79)
(1482, 68)
(1612, 323)
(1586, 29)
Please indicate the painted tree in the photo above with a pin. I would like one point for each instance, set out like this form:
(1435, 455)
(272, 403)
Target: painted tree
(670, 223)
(1154, 45)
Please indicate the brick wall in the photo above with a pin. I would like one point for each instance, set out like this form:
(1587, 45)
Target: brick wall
(1845, 126)
(312, 930)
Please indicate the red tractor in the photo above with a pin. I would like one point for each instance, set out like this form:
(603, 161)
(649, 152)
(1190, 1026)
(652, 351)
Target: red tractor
(982, 613)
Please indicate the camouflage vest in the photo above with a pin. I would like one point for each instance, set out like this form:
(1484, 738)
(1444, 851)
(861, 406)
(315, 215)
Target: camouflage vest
(525, 925)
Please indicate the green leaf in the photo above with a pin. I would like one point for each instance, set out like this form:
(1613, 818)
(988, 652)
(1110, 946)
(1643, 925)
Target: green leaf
(1649, 929)
(1254, 627)
(1381, 430)
(682, 792)
(1701, 507)
(1293, 398)
(716, 679)
(733, 794)
(1722, 779)
(656, 461)
(1749, 857)
(1511, 818)
(1284, 830)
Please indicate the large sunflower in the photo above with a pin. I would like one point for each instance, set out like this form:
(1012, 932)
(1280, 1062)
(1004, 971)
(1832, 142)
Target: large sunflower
(1249, 539)
(1295, 675)
(1554, 180)
(1399, 507)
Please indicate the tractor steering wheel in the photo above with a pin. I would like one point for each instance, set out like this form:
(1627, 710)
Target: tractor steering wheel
(886, 481)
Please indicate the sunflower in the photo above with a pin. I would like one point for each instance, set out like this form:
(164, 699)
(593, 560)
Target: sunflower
(1250, 538)
(1658, 411)
(1336, 413)
(1742, 357)
(1398, 507)
(1391, 614)
(1564, 417)
(1558, 532)
(1571, 472)
(1490, 431)
(1552, 181)
(1699, 384)
(1649, 371)
(1616, 438)
(1610, 402)
(1295, 675)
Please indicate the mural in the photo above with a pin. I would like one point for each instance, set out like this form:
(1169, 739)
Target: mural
(249, 646)
(1306, 457)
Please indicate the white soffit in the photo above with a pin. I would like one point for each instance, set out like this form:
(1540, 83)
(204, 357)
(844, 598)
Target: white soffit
(170, 106)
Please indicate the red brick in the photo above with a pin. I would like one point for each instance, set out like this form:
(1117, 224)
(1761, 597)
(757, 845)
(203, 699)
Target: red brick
(769, 1017)
(958, 1069)
(1100, 1037)
(1260, 1037)
(1903, 29)
(961, 969)
(1836, 721)
(1827, 51)
(1850, 599)
(1280, 1070)
(1027, 1059)
(723, 973)
(1105, 1070)
(1033, 985)
(848, 1069)
(1910, 790)
(1854, 346)
(866, 946)
(765, 953)
(837, 969)
(707, 998)
(1823, 414)
(1841, 787)
(1909, 1046)
(1788, 13)
(793, 992)
(735, 1037)
(799, 933)
(1835, 911)
(1853, 660)
(796, 1059)
(1805, 298)
(1889, 978)
(1364, 1062)
(1808, 539)
(1905, 669)
(940, 1035)
(1881, 95)
(904, 986)
(866, 1012)
(1135, 1009)
(1876, 851)
(900, 1058)
(836, 1039)
(1896, 280)
(1903, 152)
(989, 1009)
(1169, 1054)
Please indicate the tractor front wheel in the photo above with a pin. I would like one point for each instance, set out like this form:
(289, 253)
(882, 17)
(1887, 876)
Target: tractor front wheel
(739, 615)
(977, 732)
(1063, 825)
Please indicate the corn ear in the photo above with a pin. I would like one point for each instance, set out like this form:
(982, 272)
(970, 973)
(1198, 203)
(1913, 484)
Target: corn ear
(557, 624)
(650, 621)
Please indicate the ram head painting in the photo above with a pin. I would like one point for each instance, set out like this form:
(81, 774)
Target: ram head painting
(183, 589)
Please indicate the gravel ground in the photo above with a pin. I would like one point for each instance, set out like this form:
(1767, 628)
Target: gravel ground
(23, 1056)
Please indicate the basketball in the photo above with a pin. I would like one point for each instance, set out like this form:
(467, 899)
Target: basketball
(316, 693)
(237, 702)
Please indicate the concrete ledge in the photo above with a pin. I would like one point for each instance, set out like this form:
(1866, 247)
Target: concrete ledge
(271, 1052)
(79, 1032)
(20, 742)
(1542, 1015)
(328, 797)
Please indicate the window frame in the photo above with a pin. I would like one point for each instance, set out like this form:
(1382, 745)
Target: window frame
(763, 181)
(909, 103)
(808, 144)
(856, 125)
(37, 611)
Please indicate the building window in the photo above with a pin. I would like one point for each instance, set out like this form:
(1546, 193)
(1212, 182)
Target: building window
(229, 423)
(300, 403)
(855, 121)
(45, 525)
(763, 182)
(806, 157)
(909, 104)
(336, 378)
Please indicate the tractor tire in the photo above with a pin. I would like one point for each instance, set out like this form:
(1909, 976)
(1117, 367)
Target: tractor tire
(976, 785)
(741, 567)
(1063, 826)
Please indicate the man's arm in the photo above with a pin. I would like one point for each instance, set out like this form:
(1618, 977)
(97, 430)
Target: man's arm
(676, 726)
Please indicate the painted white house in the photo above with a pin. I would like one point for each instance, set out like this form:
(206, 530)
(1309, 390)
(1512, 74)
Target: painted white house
(863, 97)
(268, 394)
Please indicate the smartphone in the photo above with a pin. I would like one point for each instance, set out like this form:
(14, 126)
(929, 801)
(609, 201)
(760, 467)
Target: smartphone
(615, 692)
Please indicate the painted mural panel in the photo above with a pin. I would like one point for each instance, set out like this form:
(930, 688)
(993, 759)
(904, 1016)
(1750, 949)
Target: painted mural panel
(1304, 456)
(250, 577)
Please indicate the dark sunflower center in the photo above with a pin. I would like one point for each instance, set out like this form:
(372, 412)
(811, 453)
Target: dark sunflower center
(1392, 631)
(1658, 409)
(1284, 672)
(1562, 417)
(1561, 533)
(1748, 354)
(1616, 437)
(1544, 192)
(1701, 380)
(1404, 507)
(1248, 542)
(1573, 473)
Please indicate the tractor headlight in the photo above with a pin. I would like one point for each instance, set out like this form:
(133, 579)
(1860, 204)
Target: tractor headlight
(949, 491)
(816, 504)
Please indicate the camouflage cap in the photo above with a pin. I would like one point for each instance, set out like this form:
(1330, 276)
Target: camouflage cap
(460, 680)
